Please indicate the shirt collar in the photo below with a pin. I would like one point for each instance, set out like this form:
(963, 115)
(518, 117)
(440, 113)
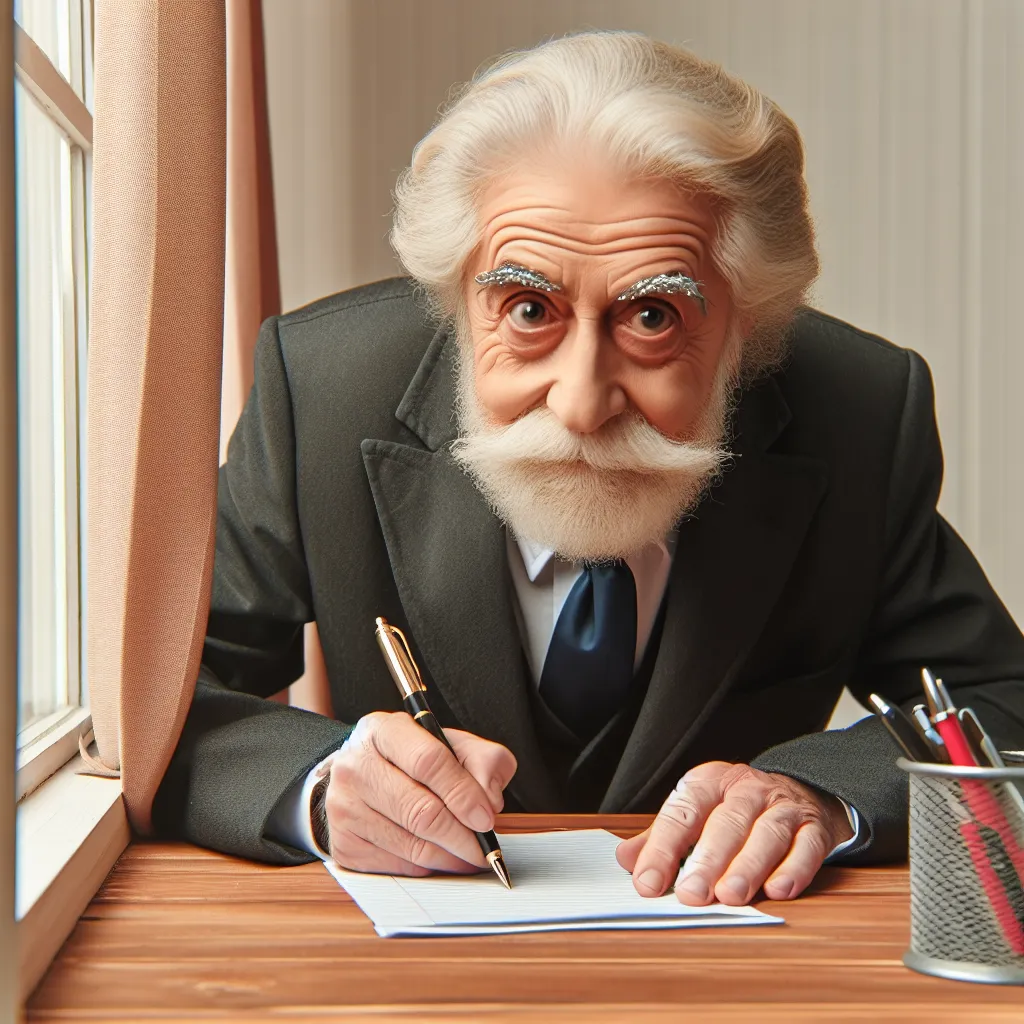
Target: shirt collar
(536, 557)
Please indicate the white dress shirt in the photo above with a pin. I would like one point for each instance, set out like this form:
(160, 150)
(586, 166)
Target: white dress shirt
(542, 584)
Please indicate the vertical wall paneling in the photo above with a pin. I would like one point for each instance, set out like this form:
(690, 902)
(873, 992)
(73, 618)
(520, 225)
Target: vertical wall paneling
(994, 213)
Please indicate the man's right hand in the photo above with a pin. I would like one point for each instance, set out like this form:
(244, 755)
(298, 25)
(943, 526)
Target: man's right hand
(398, 803)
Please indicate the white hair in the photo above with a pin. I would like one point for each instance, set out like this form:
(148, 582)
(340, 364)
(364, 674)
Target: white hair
(651, 110)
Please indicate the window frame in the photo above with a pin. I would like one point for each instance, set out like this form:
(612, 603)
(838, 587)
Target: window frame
(9, 974)
(65, 830)
(45, 746)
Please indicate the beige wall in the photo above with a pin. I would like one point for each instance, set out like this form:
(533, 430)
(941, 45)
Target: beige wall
(913, 116)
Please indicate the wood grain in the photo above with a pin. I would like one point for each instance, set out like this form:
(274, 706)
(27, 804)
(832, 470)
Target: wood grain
(177, 933)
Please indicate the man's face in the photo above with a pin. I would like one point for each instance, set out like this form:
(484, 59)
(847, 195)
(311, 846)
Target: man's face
(590, 420)
(579, 351)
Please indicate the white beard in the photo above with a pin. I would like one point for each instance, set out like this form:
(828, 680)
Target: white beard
(599, 496)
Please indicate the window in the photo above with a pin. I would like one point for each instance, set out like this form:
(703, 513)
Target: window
(53, 141)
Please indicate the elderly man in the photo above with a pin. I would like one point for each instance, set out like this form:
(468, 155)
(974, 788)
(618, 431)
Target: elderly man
(641, 513)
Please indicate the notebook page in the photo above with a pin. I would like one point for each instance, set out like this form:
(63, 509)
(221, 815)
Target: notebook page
(558, 878)
(632, 924)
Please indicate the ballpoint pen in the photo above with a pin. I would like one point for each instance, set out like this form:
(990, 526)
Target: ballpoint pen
(989, 754)
(901, 729)
(943, 694)
(406, 674)
(984, 749)
(980, 800)
(943, 714)
(931, 693)
(927, 730)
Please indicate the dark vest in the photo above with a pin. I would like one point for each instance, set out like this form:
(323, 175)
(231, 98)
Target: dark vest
(583, 772)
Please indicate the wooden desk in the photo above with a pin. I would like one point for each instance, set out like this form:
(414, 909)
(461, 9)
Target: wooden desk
(177, 933)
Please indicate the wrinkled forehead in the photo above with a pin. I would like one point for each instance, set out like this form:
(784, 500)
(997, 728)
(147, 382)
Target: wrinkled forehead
(562, 220)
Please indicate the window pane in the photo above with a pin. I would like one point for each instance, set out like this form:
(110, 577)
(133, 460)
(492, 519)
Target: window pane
(45, 314)
(48, 23)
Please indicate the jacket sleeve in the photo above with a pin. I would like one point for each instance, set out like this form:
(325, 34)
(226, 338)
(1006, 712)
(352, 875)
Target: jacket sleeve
(239, 752)
(934, 607)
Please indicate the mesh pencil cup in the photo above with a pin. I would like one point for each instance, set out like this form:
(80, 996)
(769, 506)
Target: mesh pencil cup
(966, 872)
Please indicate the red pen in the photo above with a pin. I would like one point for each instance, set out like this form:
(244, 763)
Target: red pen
(981, 801)
(983, 807)
(997, 897)
(948, 727)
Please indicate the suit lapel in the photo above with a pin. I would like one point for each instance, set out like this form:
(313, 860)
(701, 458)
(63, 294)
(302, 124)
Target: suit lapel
(448, 556)
(731, 563)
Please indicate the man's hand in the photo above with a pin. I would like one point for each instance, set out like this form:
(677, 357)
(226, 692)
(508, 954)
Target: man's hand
(399, 803)
(751, 825)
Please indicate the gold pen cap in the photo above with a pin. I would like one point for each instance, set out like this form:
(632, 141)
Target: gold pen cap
(401, 664)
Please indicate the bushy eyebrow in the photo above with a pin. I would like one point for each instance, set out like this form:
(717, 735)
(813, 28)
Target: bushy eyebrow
(516, 273)
(673, 283)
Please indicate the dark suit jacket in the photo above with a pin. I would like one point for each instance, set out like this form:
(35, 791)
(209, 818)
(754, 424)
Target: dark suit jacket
(819, 561)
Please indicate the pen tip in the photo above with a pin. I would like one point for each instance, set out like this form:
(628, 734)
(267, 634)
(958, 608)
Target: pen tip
(501, 871)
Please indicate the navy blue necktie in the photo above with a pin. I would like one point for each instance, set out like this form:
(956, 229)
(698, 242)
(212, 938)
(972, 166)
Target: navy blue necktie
(589, 664)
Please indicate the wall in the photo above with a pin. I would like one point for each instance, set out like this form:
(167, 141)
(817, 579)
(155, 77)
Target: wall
(913, 117)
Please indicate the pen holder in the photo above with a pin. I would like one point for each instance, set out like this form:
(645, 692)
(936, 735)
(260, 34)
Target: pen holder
(966, 872)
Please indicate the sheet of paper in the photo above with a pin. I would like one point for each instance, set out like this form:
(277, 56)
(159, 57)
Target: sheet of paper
(561, 881)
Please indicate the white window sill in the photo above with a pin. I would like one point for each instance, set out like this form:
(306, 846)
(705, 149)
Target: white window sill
(70, 832)
(49, 744)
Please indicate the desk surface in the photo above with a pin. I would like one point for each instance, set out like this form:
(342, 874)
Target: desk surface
(178, 933)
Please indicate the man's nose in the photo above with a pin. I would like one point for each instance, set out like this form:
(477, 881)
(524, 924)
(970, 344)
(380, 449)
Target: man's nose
(584, 394)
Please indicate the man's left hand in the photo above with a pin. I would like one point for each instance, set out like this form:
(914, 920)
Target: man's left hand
(748, 829)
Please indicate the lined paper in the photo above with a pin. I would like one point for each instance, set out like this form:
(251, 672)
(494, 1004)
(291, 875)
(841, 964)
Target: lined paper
(561, 881)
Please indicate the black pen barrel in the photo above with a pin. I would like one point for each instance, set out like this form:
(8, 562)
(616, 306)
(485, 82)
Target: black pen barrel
(416, 705)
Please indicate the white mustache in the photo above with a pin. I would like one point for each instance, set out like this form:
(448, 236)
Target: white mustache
(626, 443)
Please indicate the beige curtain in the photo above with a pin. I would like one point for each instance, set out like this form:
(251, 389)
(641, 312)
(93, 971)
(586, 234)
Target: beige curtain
(154, 373)
(185, 269)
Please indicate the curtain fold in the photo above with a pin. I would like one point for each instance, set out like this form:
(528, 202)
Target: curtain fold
(154, 374)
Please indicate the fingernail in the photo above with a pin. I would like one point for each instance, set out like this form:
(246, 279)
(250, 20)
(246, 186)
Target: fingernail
(695, 886)
(479, 820)
(738, 886)
(651, 879)
(781, 887)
